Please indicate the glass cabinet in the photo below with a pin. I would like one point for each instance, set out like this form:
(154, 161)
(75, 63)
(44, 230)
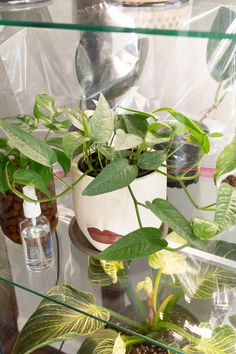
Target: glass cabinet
(142, 55)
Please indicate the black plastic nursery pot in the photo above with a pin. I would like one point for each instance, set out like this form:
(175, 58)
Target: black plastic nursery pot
(182, 159)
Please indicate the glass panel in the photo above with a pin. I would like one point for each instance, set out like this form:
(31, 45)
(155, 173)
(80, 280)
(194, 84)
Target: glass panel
(169, 17)
(142, 72)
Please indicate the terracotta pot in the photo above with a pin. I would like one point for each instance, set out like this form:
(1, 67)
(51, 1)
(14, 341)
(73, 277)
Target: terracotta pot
(11, 212)
(105, 218)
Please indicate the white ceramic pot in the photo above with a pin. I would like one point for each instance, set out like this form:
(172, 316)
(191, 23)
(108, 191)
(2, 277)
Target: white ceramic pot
(105, 218)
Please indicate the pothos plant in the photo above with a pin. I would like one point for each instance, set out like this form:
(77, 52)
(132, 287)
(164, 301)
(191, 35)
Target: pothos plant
(157, 319)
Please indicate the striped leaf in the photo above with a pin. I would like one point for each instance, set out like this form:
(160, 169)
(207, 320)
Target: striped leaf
(103, 342)
(124, 141)
(103, 272)
(170, 262)
(217, 340)
(201, 281)
(225, 215)
(54, 322)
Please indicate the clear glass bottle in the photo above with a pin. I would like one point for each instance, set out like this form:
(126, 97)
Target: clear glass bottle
(36, 235)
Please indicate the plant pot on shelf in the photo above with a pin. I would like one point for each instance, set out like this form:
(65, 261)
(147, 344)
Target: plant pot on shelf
(183, 159)
(11, 212)
(106, 218)
(163, 14)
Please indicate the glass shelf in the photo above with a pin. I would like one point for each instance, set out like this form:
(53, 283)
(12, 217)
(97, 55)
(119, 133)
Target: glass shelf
(180, 18)
(72, 268)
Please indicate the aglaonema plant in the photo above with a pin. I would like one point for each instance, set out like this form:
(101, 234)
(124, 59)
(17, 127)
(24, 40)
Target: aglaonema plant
(66, 313)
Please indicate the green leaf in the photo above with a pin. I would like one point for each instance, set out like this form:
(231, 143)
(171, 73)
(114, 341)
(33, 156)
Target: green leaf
(169, 262)
(124, 141)
(201, 280)
(55, 141)
(96, 273)
(45, 173)
(215, 135)
(29, 145)
(137, 244)
(75, 119)
(3, 182)
(220, 53)
(72, 142)
(55, 322)
(154, 137)
(174, 219)
(101, 125)
(118, 174)
(204, 229)
(193, 127)
(103, 342)
(135, 126)
(151, 160)
(3, 143)
(214, 340)
(63, 160)
(225, 215)
(146, 285)
(28, 177)
(226, 162)
(109, 153)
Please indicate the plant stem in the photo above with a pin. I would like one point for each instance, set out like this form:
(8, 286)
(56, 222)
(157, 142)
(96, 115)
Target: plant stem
(177, 249)
(136, 206)
(22, 196)
(124, 319)
(99, 159)
(173, 327)
(206, 208)
(155, 289)
(178, 148)
(181, 177)
(161, 310)
(216, 104)
(173, 302)
(62, 181)
(47, 135)
(138, 305)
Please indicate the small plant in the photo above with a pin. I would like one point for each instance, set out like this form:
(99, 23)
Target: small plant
(66, 312)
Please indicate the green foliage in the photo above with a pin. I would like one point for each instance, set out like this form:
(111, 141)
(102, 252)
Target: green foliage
(225, 215)
(226, 162)
(103, 273)
(137, 244)
(204, 229)
(175, 220)
(151, 160)
(214, 340)
(29, 145)
(28, 177)
(72, 142)
(103, 342)
(116, 175)
(101, 125)
(63, 317)
(125, 141)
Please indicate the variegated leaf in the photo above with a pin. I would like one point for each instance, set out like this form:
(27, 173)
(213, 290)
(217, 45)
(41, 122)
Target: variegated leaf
(170, 262)
(201, 281)
(146, 285)
(112, 269)
(103, 342)
(103, 272)
(216, 340)
(55, 321)
(124, 141)
(101, 124)
(225, 215)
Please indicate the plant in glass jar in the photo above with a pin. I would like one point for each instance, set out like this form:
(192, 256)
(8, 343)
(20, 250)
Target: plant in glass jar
(27, 158)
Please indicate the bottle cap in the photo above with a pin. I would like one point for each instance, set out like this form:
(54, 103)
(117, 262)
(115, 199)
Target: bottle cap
(31, 209)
